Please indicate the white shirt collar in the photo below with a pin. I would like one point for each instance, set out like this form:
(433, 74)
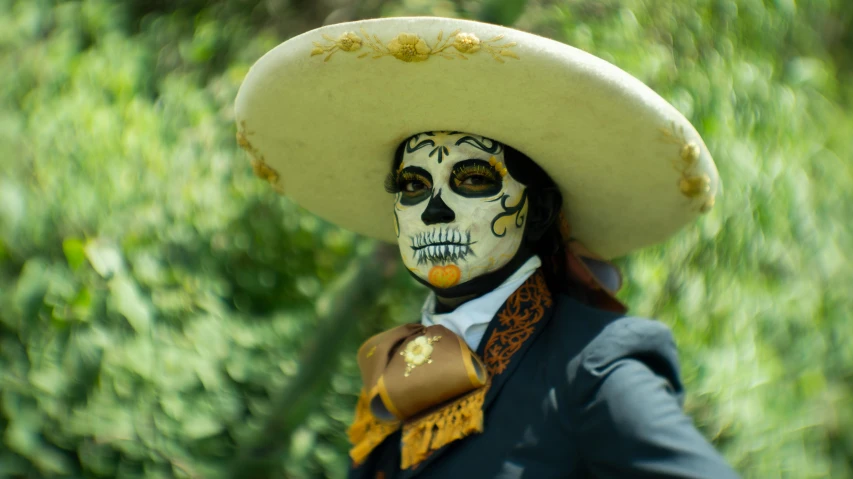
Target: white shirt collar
(471, 318)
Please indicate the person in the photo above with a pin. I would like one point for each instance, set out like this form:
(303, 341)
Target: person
(518, 167)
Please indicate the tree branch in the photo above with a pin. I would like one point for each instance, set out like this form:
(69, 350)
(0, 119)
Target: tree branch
(356, 289)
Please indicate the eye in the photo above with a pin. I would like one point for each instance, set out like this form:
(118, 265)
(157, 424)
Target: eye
(414, 186)
(477, 180)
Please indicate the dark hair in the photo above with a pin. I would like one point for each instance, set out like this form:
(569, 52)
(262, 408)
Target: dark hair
(545, 205)
(545, 199)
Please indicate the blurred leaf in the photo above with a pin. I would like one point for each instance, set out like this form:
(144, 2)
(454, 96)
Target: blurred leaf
(128, 300)
(104, 257)
(501, 12)
(198, 426)
(74, 252)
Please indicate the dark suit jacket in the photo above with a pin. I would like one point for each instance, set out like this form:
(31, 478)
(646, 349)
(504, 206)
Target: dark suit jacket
(591, 394)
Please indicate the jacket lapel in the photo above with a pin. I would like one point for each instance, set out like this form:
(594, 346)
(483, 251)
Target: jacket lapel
(513, 329)
(509, 335)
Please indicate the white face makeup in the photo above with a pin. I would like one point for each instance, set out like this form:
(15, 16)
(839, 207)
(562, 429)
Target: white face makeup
(459, 213)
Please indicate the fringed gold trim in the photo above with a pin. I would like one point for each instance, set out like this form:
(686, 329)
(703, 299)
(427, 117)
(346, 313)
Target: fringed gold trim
(460, 418)
(367, 432)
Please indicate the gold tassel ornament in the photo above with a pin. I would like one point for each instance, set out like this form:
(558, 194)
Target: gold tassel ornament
(423, 379)
(455, 420)
(367, 432)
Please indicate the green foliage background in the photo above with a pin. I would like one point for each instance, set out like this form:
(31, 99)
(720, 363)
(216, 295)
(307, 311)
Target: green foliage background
(156, 298)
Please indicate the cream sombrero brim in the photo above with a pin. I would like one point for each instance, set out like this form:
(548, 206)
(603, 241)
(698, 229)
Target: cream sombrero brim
(323, 113)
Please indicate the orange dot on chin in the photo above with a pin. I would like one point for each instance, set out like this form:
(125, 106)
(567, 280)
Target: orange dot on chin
(444, 276)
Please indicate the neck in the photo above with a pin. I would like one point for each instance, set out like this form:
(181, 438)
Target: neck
(446, 305)
(449, 299)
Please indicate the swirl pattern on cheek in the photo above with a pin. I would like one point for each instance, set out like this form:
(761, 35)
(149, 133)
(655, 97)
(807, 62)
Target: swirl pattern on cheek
(516, 210)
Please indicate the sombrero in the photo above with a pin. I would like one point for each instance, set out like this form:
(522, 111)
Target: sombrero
(322, 114)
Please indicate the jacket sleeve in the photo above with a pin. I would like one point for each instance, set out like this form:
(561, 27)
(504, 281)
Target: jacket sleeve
(628, 416)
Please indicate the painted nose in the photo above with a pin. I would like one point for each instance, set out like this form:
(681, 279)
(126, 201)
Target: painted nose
(437, 211)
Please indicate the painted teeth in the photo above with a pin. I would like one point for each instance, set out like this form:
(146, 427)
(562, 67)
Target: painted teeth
(440, 236)
(426, 249)
(444, 250)
(442, 253)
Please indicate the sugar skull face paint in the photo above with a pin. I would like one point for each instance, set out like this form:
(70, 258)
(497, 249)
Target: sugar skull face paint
(459, 213)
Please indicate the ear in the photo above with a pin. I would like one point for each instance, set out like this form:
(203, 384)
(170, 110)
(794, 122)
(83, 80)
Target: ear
(544, 207)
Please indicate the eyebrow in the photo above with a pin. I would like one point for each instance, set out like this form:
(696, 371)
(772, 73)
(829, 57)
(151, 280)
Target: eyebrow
(475, 161)
(470, 161)
(416, 170)
(491, 147)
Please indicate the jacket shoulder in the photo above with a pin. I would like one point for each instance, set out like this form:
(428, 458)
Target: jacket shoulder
(621, 398)
(598, 340)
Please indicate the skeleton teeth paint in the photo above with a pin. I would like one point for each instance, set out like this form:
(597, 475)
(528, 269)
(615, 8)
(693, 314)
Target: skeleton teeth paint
(480, 225)
(448, 248)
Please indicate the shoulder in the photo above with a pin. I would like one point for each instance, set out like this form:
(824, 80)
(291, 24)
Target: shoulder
(599, 341)
(620, 396)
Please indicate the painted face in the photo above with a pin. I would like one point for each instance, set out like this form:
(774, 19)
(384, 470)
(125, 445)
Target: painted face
(459, 213)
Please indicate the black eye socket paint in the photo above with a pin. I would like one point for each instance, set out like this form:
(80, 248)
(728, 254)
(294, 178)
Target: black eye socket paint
(414, 184)
(475, 178)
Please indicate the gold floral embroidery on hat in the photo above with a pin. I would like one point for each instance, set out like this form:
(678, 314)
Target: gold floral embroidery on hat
(259, 166)
(410, 47)
(418, 352)
(347, 42)
(691, 183)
